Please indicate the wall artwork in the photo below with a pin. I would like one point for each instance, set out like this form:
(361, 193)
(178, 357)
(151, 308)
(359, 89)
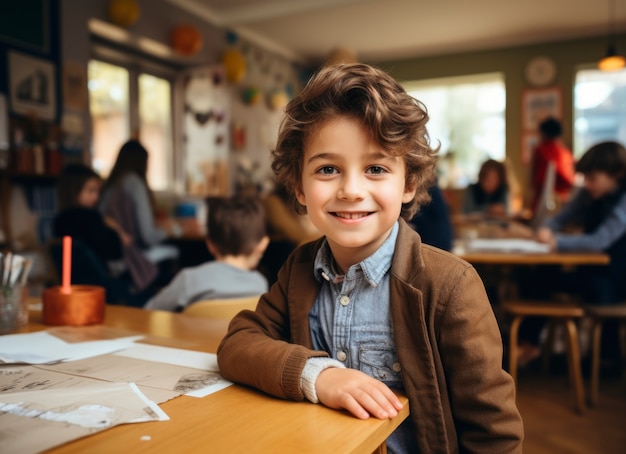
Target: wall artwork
(539, 104)
(206, 132)
(32, 86)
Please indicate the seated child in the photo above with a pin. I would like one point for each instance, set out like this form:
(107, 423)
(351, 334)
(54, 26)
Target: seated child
(78, 193)
(599, 209)
(368, 308)
(236, 237)
(490, 195)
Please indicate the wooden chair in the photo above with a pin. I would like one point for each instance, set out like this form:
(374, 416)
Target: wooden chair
(221, 309)
(599, 314)
(564, 312)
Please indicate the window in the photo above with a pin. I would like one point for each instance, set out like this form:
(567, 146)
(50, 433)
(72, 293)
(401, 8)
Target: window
(467, 119)
(126, 101)
(599, 108)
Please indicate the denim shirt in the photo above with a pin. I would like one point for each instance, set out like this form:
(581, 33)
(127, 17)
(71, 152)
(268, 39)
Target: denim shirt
(351, 317)
(351, 320)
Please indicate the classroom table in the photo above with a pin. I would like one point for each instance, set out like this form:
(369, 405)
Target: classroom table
(235, 419)
(498, 267)
(567, 259)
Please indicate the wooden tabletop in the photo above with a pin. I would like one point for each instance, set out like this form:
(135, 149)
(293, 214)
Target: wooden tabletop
(236, 419)
(520, 258)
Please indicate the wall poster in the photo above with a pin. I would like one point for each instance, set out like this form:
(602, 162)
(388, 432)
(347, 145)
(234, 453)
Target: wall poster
(32, 86)
(539, 104)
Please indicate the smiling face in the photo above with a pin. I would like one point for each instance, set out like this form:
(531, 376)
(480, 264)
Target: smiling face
(352, 189)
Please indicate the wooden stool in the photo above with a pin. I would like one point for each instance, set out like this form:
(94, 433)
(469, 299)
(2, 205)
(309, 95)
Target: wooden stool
(599, 314)
(566, 313)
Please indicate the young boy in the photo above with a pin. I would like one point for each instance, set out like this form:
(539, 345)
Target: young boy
(368, 308)
(600, 209)
(237, 239)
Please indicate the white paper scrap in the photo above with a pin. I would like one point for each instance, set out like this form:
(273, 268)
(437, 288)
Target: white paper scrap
(43, 348)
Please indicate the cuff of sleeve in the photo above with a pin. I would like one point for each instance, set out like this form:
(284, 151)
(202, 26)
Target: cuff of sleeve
(312, 369)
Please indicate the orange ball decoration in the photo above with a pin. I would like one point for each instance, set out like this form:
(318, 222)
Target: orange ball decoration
(234, 64)
(186, 40)
(123, 12)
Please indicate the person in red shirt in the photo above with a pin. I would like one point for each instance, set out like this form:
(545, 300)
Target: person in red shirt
(552, 149)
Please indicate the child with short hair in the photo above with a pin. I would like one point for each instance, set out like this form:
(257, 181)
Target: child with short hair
(600, 209)
(368, 308)
(237, 238)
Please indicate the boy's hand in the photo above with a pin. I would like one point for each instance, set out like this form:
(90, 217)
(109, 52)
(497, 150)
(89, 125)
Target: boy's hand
(356, 392)
(545, 235)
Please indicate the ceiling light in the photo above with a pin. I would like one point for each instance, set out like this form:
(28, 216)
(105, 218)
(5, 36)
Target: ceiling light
(612, 61)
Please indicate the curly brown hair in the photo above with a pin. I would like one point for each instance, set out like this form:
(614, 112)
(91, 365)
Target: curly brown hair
(396, 121)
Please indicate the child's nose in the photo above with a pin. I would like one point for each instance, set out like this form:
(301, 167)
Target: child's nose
(351, 189)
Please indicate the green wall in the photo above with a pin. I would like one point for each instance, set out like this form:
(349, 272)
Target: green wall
(568, 56)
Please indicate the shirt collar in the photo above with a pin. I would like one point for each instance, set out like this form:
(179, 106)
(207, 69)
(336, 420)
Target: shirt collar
(374, 267)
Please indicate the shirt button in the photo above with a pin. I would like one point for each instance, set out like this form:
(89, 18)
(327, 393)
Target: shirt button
(341, 355)
(396, 367)
(344, 300)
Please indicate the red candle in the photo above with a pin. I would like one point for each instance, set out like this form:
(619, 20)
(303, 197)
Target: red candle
(66, 287)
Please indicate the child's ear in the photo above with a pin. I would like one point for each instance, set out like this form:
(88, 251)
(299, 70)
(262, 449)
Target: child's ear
(262, 246)
(300, 196)
(409, 192)
(211, 248)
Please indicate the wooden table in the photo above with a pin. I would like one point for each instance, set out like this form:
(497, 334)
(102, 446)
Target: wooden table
(499, 266)
(521, 258)
(236, 419)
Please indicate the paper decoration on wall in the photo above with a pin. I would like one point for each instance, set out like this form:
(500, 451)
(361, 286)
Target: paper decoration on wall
(186, 40)
(277, 99)
(239, 136)
(123, 12)
(235, 65)
(206, 129)
(251, 96)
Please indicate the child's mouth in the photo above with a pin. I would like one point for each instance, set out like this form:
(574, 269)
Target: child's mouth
(351, 215)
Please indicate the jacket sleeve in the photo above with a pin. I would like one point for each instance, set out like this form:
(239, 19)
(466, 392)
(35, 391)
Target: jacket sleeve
(257, 351)
(608, 232)
(482, 394)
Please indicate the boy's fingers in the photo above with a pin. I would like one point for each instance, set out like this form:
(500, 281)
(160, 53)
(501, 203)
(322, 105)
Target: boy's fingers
(355, 408)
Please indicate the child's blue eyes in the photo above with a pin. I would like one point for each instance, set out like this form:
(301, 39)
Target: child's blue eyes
(376, 170)
(330, 170)
(327, 170)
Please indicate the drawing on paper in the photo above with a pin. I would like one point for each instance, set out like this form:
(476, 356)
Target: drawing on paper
(195, 381)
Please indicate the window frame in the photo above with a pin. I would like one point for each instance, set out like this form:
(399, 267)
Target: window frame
(137, 64)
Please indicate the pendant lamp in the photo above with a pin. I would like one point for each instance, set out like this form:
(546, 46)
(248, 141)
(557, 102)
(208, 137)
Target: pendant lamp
(612, 61)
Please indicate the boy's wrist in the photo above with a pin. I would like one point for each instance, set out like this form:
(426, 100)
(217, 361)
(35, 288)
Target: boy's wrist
(312, 369)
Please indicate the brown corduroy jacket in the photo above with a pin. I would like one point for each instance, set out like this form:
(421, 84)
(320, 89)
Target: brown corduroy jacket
(446, 335)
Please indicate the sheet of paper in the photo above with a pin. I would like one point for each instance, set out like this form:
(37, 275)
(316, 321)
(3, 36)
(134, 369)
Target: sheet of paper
(165, 376)
(40, 420)
(43, 348)
(188, 358)
(507, 245)
(178, 356)
(22, 378)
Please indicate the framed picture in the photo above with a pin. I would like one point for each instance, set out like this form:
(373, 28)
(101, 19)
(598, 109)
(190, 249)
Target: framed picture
(539, 104)
(529, 142)
(32, 86)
